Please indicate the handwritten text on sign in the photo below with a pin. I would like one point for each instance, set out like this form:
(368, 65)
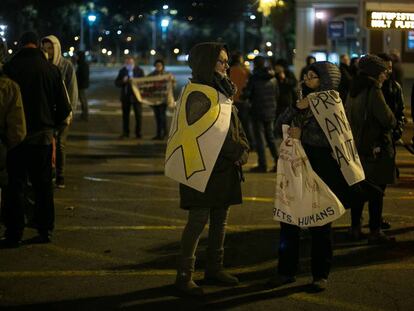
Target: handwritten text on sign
(329, 111)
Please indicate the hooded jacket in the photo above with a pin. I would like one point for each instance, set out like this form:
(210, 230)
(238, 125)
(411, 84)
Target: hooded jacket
(67, 70)
(312, 134)
(223, 188)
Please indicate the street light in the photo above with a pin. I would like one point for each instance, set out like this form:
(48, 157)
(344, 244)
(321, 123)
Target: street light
(165, 22)
(91, 18)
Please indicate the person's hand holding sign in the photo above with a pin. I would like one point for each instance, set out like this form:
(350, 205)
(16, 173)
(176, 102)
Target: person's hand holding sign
(294, 132)
(302, 103)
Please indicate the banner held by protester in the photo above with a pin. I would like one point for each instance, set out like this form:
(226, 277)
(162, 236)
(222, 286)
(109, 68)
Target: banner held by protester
(154, 90)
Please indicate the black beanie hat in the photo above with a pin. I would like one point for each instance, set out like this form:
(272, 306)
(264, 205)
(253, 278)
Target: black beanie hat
(29, 37)
(328, 73)
(372, 65)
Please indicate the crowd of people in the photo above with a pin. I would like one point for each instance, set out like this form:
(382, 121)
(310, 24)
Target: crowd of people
(39, 91)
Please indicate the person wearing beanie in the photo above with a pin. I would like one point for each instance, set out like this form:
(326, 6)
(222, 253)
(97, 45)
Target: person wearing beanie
(209, 63)
(320, 77)
(46, 106)
(51, 45)
(372, 122)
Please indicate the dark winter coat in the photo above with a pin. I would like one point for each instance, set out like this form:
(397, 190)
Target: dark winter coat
(372, 122)
(82, 74)
(223, 188)
(45, 101)
(346, 79)
(262, 91)
(287, 92)
(394, 98)
(127, 95)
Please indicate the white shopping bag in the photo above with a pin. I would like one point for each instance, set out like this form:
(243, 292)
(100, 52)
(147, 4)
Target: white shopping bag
(301, 197)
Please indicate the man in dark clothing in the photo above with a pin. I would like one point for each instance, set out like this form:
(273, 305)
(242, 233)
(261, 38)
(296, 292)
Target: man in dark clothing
(128, 99)
(346, 76)
(397, 68)
(46, 106)
(287, 86)
(262, 90)
(82, 75)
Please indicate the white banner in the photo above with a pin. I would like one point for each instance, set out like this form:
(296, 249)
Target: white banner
(154, 90)
(301, 196)
(192, 149)
(329, 111)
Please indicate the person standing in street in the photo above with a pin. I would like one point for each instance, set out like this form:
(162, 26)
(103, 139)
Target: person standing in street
(46, 107)
(82, 76)
(319, 77)
(160, 110)
(262, 91)
(51, 45)
(372, 123)
(128, 99)
(346, 76)
(12, 133)
(209, 63)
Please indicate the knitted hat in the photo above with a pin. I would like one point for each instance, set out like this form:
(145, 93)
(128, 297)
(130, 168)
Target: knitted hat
(372, 65)
(328, 73)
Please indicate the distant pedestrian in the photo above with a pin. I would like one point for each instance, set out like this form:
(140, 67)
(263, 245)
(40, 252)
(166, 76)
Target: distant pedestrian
(82, 75)
(128, 99)
(397, 67)
(160, 110)
(239, 75)
(46, 107)
(209, 62)
(346, 76)
(262, 91)
(372, 122)
(51, 45)
(353, 67)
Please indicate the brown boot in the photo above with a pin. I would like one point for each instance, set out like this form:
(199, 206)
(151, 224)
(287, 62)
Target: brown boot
(184, 280)
(215, 272)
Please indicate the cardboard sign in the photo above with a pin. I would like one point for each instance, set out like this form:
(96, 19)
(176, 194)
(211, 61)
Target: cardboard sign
(192, 149)
(329, 111)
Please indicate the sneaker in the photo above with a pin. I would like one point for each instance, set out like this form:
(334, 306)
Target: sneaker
(60, 182)
(258, 169)
(385, 225)
(279, 280)
(319, 285)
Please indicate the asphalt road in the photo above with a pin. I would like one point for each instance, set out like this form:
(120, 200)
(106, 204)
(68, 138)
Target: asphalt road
(118, 227)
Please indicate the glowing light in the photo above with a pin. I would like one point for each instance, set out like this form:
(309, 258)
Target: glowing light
(269, 53)
(104, 51)
(109, 53)
(71, 49)
(265, 6)
(173, 12)
(247, 63)
(252, 17)
(176, 51)
(107, 32)
(129, 39)
(100, 39)
(269, 44)
(10, 51)
(126, 51)
(76, 38)
(153, 52)
(165, 22)
(165, 7)
(119, 32)
(256, 52)
(320, 15)
(91, 18)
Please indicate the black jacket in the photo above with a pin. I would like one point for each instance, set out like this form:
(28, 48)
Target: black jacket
(262, 90)
(126, 89)
(345, 83)
(45, 100)
(394, 98)
(82, 75)
(288, 95)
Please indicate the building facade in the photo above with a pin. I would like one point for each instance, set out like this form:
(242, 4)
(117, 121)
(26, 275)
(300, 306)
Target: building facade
(327, 29)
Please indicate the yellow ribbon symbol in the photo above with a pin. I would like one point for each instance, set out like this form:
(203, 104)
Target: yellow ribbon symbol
(186, 136)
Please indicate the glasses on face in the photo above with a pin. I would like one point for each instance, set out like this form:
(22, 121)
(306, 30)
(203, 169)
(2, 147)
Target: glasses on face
(310, 77)
(223, 62)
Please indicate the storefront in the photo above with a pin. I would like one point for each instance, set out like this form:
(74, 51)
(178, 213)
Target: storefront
(327, 29)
